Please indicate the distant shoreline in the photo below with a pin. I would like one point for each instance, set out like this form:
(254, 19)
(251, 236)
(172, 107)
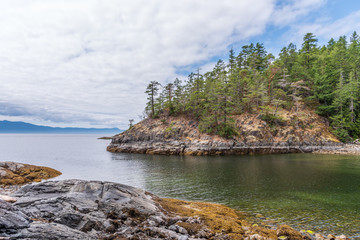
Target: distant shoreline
(49, 133)
(8, 127)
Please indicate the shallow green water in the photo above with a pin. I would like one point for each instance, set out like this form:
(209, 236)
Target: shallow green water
(307, 191)
(310, 192)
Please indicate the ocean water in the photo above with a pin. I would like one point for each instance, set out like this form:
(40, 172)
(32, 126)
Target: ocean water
(307, 191)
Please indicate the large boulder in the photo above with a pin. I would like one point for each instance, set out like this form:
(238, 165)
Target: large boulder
(76, 209)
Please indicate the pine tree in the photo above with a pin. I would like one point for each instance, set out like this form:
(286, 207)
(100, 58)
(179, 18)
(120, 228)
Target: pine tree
(194, 91)
(152, 91)
(169, 95)
(308, 49)
(326, 78)
(179, 98)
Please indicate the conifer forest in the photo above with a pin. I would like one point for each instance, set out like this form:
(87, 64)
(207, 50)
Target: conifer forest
(323, 78)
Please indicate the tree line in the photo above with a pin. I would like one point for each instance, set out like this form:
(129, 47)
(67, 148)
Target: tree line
(324, 78)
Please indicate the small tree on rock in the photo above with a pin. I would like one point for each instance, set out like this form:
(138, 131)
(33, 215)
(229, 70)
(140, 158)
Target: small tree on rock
(152, 91)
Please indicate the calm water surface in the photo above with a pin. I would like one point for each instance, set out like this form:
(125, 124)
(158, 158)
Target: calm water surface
(316, 192)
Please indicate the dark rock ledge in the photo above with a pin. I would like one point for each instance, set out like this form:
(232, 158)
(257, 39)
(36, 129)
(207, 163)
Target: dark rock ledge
(204, 149)
(76, 209)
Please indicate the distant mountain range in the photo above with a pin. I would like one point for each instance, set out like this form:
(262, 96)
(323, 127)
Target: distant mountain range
(22, 127)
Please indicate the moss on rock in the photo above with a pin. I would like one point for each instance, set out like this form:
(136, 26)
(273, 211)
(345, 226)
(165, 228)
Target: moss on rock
(12, 173)
(222, 222)
(219, 219)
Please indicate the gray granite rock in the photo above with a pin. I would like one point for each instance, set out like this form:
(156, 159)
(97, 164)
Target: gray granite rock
(76, 209)
(12, 220)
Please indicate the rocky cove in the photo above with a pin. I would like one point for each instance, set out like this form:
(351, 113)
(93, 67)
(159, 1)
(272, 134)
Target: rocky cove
(77, 209)
(298, 132)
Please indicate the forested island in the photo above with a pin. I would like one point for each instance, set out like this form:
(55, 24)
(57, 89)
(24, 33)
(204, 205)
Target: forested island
(302, 101)
(322, 78)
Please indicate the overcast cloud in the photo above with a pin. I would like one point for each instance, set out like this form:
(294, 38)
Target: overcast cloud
(87, 62)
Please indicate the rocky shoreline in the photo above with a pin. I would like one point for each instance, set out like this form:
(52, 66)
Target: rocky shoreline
(208, 149)
(348, 149)
(77, 209)
(305, 133)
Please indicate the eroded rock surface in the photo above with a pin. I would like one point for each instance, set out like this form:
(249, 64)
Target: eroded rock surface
(75, 209)
(12, 220)
(296, 132)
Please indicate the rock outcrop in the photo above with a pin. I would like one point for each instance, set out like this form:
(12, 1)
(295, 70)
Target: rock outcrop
(302, 131)
(346, 149)
(76, 209)
(12, 173)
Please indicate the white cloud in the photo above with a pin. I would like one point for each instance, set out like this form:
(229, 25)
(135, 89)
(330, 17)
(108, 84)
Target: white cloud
(323, 25)
(288, 12)
(87, 62)
(327, 29)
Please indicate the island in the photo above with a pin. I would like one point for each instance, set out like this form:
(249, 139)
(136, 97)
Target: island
(306, 100)
(298, 132)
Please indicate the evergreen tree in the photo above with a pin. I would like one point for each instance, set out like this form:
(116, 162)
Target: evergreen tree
(169, 95)
(179, 98)
(308, 49)
(195, 94)
(152, 91)
(325, 78)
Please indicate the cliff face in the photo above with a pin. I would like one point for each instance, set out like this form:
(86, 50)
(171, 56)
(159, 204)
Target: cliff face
(302, 131)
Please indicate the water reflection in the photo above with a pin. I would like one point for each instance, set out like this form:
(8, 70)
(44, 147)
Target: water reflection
(302, 189)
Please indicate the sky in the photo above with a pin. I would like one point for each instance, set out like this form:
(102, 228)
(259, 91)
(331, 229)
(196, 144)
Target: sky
(86, 63)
